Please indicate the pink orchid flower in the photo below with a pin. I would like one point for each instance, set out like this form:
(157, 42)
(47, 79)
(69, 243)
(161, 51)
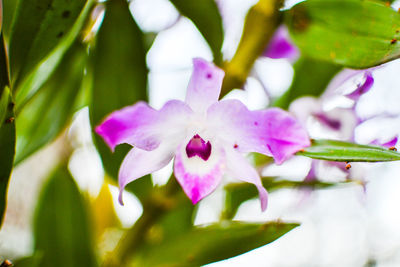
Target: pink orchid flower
(206, 138)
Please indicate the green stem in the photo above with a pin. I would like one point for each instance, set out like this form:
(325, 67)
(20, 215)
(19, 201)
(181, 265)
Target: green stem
(161, 201)
(260, 24)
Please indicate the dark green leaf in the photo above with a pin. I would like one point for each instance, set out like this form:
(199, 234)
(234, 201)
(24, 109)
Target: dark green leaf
(47, 113)
(38, 27)
(29, 84)
(8, 12)
(342, 151)
(61, 228)
(311, 78)
(7, 145)
(119, 76)
(7, 130)
(237, 193)
(351, 33)
(212, 243)
(206, 17)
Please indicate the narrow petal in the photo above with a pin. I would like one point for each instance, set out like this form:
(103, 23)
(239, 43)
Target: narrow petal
(142, 126)
(204, 86)
(272, 132)
(199, 177)
(139, 163)
(239, 168)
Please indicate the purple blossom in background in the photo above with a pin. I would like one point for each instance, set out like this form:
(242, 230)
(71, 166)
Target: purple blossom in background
(281, 46)
(206, 138)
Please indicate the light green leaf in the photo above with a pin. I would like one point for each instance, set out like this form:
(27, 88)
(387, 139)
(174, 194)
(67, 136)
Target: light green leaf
(47, 113)
(213, 243)
(311, 78)
(38, 27)
(237, 193)
(342, 151)
(62, 234)
(351, 33)
(118, 68)
(206, 17)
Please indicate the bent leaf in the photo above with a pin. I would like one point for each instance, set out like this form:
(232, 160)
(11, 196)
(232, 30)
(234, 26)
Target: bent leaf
(46, 114)
(206, 17)
(37, 28)
(61, 228)
(27, 86)
(351, 33)
(342, 151)
(213, 243)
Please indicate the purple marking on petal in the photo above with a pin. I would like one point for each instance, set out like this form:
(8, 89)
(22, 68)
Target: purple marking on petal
(363, 87)
(331, 123)
(281, 46)
(195, 181)
(198, 147)
(388, 144)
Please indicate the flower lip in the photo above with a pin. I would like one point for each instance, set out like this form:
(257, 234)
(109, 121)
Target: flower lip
(198, 147)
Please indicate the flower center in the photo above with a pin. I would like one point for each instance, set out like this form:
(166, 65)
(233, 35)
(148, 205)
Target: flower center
(198, 147)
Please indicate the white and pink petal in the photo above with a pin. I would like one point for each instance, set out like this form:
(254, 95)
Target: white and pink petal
(272, 132)
(144, 127)
(139, 163)
(199, 177)
(205, 85)
(239, 168)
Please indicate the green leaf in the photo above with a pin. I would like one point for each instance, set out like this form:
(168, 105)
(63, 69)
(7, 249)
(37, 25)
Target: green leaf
(47, 113)
(311, 78)
(61, 227)
(30, 84)
(342, 151)
(351, 33)
(7, 130)
(237, 193)
(206, 17)
(213, 243)
(7, 145)
(118, 68)
(38, 27)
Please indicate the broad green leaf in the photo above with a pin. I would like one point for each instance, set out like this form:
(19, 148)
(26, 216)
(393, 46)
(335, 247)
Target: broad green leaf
(351, 33)
(237, 193)
(38, 27)
(213, 243)
(7, 130)
(342, 151)
(47, 113)
(119, 76)
(311, 78)
(42, 71)
(61, 227)
(206, 17)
